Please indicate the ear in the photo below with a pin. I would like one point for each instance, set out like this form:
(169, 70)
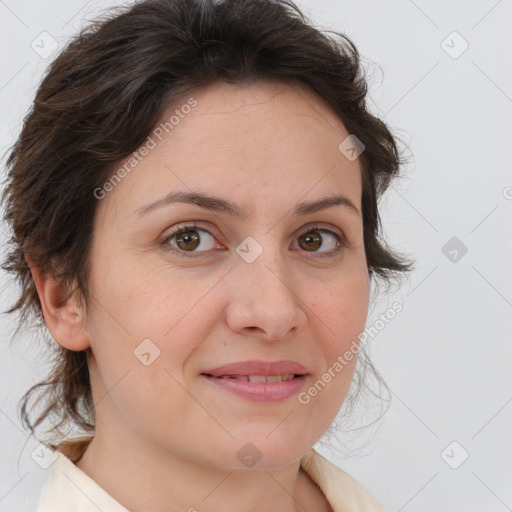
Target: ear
(64, 316)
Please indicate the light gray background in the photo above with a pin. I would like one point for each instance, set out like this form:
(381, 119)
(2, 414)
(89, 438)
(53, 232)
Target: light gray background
(446, 356)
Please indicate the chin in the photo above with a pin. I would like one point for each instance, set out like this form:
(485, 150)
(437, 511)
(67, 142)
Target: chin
(266, 453)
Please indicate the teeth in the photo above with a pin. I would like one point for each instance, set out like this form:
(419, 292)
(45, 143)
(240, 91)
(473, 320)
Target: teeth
(259, 378)
(262, 378)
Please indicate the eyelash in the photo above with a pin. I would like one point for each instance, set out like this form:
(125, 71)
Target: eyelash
(193, 226)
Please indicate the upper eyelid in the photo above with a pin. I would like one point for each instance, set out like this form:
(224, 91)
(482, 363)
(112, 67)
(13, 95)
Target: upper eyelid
(187, 225)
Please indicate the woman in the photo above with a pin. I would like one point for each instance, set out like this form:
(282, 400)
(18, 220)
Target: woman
(193, 201)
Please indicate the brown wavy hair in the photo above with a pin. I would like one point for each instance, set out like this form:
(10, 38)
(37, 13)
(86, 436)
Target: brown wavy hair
(100, 99)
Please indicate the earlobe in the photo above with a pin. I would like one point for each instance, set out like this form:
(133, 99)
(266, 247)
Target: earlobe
(62, 312)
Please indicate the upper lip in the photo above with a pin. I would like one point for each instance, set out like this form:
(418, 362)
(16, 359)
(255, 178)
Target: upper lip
(258, 368)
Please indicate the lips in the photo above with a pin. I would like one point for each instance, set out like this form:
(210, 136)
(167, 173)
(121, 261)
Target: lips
(260, 381)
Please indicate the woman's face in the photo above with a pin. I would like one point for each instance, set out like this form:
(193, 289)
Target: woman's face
(271, 285)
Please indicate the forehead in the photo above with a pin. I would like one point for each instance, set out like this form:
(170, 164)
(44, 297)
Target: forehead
(263, 100)
(262, 95)
(267, 137)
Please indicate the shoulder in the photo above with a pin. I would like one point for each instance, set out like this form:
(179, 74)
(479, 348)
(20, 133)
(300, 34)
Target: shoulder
(344, 492)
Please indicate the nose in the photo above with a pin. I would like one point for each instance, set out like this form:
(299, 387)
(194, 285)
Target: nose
(265, 300)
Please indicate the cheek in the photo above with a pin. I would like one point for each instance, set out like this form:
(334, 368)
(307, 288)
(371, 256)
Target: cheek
(140, 344)
(340, 317)
(147, 299)
(175, 310)
(342, 307)
(176, 313)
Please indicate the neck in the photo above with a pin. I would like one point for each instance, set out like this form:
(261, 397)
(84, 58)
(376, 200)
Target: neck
(149, 478)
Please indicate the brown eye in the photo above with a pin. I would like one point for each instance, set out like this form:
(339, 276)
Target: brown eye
(189, 239)
(311, 240)
(315, 239)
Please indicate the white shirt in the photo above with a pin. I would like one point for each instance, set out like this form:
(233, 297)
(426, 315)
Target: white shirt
(68, 489)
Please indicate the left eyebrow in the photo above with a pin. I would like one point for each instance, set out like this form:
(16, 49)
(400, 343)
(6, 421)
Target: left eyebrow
(218, 204)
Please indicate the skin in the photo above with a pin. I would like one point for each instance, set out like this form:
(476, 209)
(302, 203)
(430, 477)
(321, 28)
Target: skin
(166, 440)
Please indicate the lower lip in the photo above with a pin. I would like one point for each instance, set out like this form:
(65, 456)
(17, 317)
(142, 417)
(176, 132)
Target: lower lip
(260, 391)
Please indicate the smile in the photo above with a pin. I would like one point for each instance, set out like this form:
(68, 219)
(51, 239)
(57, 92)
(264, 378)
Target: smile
(259, 388)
